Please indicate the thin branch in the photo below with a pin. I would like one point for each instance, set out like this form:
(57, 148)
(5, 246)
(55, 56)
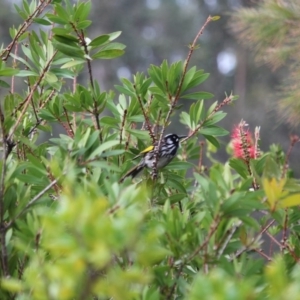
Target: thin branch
(122, 125)
(273, 239)
(281, 246)
(260, 251)
(4, 255)
(74, 114)
(14, 63)
(81, 37)
(21, 266)
(70, 129)
(226, 101)
(200, 162)
(147, 121)
(212, 230)
(169, 297)
(228, 238)
(293, 140)
(285, 225)
(121, 132)
(156, 125)
(176, 98)
(30, 203)
(39, 9)
(29, 97)
(254, 240)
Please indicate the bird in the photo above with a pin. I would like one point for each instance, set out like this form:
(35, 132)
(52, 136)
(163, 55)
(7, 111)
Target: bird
(168, 150)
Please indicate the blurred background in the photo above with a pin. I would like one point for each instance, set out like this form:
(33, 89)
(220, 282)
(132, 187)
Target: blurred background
(154, 30)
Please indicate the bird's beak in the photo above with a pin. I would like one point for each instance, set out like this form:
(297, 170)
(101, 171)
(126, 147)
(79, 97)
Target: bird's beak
(182, 137)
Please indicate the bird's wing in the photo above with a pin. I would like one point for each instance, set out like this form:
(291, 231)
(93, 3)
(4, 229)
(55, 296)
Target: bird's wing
(148, 149)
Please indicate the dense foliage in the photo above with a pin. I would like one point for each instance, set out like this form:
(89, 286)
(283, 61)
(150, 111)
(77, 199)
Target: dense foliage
(272, 31)
(70, 230)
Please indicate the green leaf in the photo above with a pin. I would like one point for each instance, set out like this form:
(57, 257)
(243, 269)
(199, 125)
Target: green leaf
(125, 90)
(113, 153)
(108, 54)
(72, 51)
(155, 74)
(103, 147)
(179, 165)
(50, 77)
(12, 285)
(62, 13)
(198, 95)
(82, 11)
(199, 78)
(22, 60)
(56, 19)
(4, 84)
(218, 116)
(98, 41)
(27, 73)
(66, 38)
(212, 140)
(110, 121)
(239, 166)
(215, 18)
(9, 72)
(114, 35)
(22, 14)
(109, 46)
(42, 21)
(175, 198)
(72, 63)
(213, 130)
(188, 78)
(185, 118)
(83, 24)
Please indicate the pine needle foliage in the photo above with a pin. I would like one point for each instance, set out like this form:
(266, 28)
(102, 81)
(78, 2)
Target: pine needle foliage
(271, 30)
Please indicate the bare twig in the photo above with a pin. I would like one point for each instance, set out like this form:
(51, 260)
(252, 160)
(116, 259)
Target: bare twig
(82, 40)
(177, 95)
(147, 121)
(260, 251)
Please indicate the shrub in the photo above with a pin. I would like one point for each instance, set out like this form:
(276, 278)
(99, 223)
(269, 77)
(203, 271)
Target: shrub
(70, 230)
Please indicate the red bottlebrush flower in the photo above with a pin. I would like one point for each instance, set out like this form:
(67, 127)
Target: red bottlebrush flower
(242, 142)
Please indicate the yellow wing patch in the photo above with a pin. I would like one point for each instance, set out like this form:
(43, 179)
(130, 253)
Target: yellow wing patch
(148, 149)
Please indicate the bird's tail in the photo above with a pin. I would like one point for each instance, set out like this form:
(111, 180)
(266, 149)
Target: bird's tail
(133, 172)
